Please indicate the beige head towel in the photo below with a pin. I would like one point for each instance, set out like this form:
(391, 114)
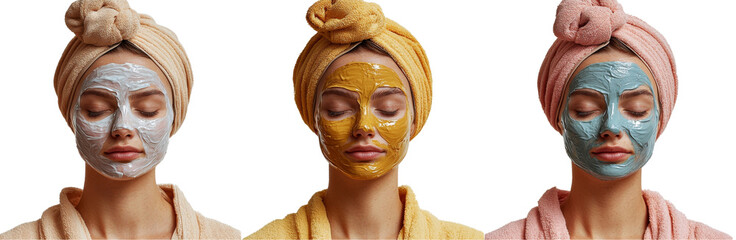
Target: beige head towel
(99, 26)
(340, 24)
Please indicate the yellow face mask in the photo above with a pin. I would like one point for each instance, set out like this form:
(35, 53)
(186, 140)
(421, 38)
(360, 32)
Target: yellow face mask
(342, 134)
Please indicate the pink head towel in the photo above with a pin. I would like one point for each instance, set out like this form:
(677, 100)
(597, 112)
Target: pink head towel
(581, 27)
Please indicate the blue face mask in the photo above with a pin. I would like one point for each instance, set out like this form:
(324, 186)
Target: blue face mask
(610, 79)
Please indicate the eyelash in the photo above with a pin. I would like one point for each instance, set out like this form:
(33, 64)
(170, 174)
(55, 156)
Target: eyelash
(638, 114)
(339, 113)
(95, 114)
(584, 114)
(335, 114)
(148, 114)
(389, 113)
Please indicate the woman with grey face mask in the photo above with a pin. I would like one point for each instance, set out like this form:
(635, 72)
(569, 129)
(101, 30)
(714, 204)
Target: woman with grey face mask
(123, 85)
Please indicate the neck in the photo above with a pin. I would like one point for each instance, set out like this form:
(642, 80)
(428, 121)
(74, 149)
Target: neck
(364, 209)
(135, 208)
(605, 209)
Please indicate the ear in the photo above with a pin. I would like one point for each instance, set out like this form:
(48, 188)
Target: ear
(316, 122)
(413, 128)
(559, 126)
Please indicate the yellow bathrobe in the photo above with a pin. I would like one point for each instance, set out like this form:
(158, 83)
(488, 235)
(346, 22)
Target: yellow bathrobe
(310, 222)
(64, 222)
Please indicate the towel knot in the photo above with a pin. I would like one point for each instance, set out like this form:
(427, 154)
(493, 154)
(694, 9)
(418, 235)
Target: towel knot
(102, 22)
(346, 21)
(588, 22)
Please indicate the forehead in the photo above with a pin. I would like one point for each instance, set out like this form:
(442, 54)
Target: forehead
(364, 78)
(615, 55)
(124, 56)
(610, 78)
(367, 56)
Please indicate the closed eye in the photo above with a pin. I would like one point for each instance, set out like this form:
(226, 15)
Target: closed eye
(96, 114)
(335, 113)
(389, 113)
(148, 114)
(637, 114)
(583, 114)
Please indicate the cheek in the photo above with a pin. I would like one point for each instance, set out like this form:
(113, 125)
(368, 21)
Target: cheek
(153, 131)
(335, 133)
(397, 135)
(644, 132)
(394, 132)
(97, 130)
(581, 130)
(585, 130)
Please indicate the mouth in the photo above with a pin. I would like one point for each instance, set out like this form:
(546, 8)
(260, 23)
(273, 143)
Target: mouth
(611, 154)
(123, 153)
(365, 153)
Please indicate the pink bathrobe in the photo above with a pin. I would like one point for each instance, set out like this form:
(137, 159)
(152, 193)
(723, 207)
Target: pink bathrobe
(547, 222)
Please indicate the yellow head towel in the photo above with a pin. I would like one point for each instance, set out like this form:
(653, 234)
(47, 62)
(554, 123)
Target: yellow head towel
(99, 26)
(340, 24)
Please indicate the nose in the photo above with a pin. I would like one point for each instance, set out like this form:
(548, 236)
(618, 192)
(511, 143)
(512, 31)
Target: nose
(122, 133)
(363, 132)
(120, 126)
(363, 127)
(609, 134)
(610, 127)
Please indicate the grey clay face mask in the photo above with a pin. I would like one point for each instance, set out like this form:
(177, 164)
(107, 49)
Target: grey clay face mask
(121, 80)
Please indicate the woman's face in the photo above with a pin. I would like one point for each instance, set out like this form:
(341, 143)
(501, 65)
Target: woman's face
(611, 115)
(364, 114)
(123, 115)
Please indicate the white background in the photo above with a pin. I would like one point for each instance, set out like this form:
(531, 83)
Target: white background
(486, 155)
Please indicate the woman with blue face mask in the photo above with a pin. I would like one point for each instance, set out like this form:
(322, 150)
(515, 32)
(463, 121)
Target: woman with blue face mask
(608, 85)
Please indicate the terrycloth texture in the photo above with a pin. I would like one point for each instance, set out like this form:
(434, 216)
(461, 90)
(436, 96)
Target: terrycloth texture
(64, 222)
(100, 25)
(547, 222)
(339, 27)
(310, 222)
(582, 27)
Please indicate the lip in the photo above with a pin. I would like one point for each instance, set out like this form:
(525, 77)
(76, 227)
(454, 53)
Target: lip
(123, 153)
(364, 153)
(612, 154)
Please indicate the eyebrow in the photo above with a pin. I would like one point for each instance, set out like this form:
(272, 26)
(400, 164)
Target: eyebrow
(98, 93)
(390, 91)
(583, 92)
(147, 93)
(637, 92)
(338, 93)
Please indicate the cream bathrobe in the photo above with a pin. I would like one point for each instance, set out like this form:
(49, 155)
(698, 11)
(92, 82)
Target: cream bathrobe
(64, 222)
(310, 222)
(547, 222)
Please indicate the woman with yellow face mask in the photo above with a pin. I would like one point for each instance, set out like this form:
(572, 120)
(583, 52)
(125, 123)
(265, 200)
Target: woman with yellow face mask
(363, 85)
